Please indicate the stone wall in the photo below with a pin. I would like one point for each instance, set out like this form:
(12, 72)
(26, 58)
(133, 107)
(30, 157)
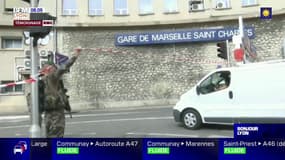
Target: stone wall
(106, 73)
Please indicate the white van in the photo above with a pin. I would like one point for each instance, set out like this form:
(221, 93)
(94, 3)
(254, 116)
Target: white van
(253, 93)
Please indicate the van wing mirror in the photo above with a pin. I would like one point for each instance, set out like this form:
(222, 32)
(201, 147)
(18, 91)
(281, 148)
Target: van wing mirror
(198, 90)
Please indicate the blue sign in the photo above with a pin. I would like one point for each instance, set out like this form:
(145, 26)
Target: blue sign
(265, 13)
(198, 35)
(60, 58)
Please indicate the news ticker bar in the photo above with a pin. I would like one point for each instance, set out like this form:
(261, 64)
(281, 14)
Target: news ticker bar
(141, 149)
(250, 141)
(40, 23)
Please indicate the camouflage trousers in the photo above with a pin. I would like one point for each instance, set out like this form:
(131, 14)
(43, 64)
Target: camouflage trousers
(55, 123)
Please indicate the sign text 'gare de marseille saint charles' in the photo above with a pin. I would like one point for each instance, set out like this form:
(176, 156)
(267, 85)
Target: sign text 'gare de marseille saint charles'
(180, 36)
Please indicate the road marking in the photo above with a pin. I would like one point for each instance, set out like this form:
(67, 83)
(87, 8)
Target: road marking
(67, 115)
(18, 134)
(98, 121)
(161, 134)
(103, 114)
(10, 127)
(14, 121)
(120, 120)
(89, 134)
(134, 108)
(219, 136)
(68, 134)
(13, 117)
(21, 135)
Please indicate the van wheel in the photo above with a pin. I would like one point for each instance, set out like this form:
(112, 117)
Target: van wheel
(191, 119)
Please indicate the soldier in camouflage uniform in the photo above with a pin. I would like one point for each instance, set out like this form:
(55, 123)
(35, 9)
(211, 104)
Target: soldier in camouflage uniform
(55, 103)
(65, 97)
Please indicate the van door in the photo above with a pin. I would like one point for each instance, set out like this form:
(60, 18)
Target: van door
(259, 95)
(215, 99)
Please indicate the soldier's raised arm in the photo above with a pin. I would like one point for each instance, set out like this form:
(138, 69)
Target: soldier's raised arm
(64, 68)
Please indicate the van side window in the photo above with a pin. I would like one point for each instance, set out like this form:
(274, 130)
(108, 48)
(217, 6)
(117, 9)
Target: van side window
(216, 82)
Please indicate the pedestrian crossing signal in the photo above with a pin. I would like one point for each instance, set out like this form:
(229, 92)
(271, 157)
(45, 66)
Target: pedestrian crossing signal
(222, 50)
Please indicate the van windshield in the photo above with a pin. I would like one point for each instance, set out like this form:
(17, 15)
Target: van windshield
(215, 82)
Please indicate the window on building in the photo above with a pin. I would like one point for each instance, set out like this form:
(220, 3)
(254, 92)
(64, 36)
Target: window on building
(170, 6)
(120, 7)
(146, 6)
(5, 90)
(248, 2)
(69, 7)
(196, 5)
(222, 4)
(11, 43)
(10, 4)
(96, 7)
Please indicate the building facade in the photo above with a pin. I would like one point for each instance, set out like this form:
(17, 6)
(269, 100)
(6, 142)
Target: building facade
(140, 52)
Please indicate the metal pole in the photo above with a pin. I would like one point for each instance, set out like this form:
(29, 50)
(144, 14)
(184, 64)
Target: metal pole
(283, 47)
(228, 53)
(241, 32)
(55, 46)
(55, 29)
(35, 128)
(15, 74)
(240, 22)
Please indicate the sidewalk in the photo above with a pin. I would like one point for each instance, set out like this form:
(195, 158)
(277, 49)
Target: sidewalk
(18, 110)
(16, 104)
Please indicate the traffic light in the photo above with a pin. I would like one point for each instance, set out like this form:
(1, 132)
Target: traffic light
(40, 31)
(222, 50)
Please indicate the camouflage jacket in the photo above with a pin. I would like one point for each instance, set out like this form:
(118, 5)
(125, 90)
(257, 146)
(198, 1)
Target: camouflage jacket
(54, 98)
